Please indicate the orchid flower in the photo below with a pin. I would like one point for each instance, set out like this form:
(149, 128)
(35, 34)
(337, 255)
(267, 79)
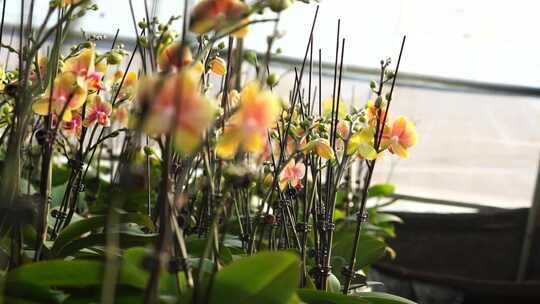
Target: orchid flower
(321, 147)
(97, 111)
(327, 108)
(67, 95)
(121, 115)
(292, 174)
(129, 86)
(372, 111)
(362, 143)
(74, 126)
(243, 31)
(208, 15)
(83, 65)
(218, 66)
(179, 105)
(170, 56)
(400, 137)
(248, 127)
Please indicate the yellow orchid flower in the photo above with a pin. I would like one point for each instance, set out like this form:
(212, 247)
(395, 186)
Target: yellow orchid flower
(218, 66)
(243, 31)
(327, 108)
(248, 127)
(129, 86)
(67, 93)
(362, 143)
(84, 66)
(321, 147)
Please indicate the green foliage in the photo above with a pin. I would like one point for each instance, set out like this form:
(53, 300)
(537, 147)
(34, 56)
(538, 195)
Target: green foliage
(268, 277)
(383, 298)
(381, 190)
(75, 230)
(320, 297)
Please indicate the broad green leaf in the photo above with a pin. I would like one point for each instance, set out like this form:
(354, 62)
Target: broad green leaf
(132, 263)
(126, 240)
(369, 250)
(311, 296)
(77, 273)
(340, 198)
(387, 217)
(61, 174)
(76, 229)
(268, 277)
(195, 248)
(70, 273)
(338, 215)
(381, 190)
(383, 298)
(32, 292)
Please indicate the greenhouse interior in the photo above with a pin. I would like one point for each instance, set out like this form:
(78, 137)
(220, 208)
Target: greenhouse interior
(269, 151)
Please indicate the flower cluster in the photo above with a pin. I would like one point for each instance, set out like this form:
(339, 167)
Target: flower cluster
(82, 94)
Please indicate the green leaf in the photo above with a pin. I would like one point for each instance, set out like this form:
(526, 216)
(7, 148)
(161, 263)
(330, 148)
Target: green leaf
(369, 250)
(341, 196)
(77, 273)
(387, 218)
(268, 277)
(61, 174)
(133, 264)
(383, 298)
(321, 297)
(381, 190)
(76, 229)
(251, 58)
(33, 292)
(126, 240)
(71, 273)
(196, 248)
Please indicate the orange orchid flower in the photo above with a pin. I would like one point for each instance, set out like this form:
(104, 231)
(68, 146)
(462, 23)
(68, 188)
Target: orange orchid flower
(170, 57)
(247, 128)
(400, 137)
(121, 115)
(129, 86)
(244, 29)
(372, 113)
(179, 104)
(209, 15)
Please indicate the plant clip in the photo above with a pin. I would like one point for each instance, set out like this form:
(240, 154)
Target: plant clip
(43, 136)
(291, 193)
(75, 164)
(362, 216)
(326, 226)
(303, 227)
(58, 214)
(178, 264)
